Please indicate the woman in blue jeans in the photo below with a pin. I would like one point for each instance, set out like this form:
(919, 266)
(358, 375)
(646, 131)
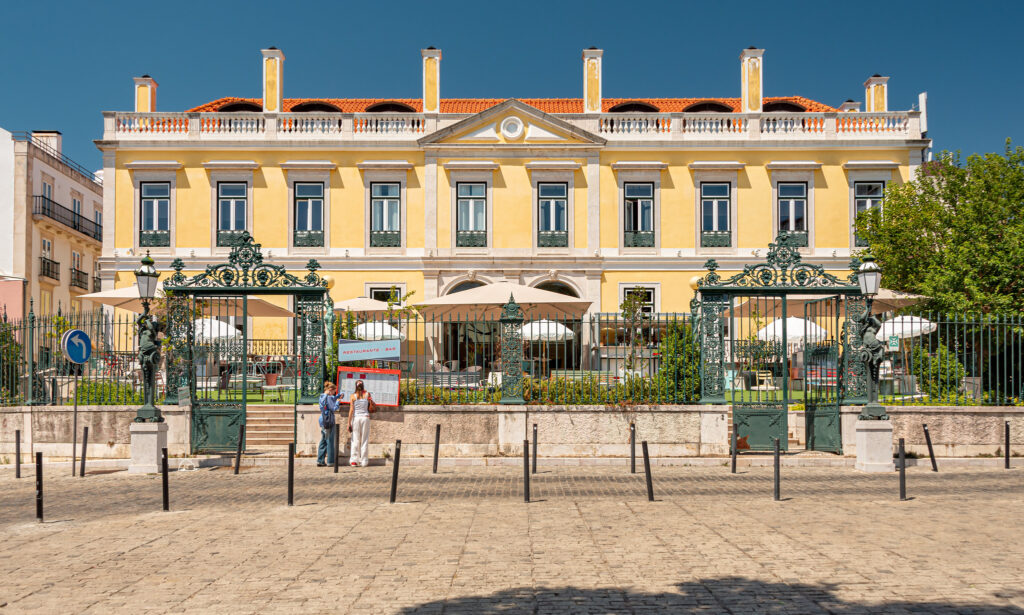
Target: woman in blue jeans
(328, 406)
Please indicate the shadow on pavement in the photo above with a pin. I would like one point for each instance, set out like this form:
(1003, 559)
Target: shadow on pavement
(724, 595)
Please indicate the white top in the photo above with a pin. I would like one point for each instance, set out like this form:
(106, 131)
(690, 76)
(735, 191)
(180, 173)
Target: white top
(361, 407)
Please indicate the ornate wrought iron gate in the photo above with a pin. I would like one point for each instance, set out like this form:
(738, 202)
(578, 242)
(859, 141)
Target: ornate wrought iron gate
(208, 328)
(748, 350)
(823, 371)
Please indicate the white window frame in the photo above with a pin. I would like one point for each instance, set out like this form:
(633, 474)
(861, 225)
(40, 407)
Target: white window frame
(369, 287)
(638, 208)
(76, 204)
(472, 177)
(541, 176)
(76, 260)
(233, 204)
(552, 220)
(218, 177)
(309, 176)
(385, 176)
(791, 177)
(47, 188)
(147, 177)
(854, 177)
(473, 202)
(730, 177)
(46, 247)
(717, 202)
(639, 176)
(308, 201)
(654, 287)
(386, 203)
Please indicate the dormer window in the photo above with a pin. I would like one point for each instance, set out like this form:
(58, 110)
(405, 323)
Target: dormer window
(708, 107)
(783, 106)
(634, 106)
(315, 107)
(390, 106)
(239, 106)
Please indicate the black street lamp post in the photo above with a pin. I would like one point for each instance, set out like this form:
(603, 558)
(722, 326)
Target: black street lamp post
(869, 275)
(146, 277)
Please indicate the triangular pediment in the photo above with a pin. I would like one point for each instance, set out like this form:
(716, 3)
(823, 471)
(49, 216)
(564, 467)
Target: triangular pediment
(512, 123)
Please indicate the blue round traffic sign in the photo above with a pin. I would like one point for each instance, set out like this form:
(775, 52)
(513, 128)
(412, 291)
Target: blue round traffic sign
(76, 345)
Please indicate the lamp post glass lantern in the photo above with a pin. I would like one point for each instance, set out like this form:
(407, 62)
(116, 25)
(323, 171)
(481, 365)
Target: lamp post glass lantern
(869, 276)
(146, 277)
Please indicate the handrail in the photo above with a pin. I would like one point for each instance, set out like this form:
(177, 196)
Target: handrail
(44, 206)
(27, 136)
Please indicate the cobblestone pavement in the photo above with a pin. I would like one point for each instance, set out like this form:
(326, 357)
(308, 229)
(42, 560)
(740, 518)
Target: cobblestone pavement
(463, 541)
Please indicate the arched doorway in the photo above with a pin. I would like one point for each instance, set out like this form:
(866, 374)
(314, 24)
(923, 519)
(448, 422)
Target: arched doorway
(558, 287)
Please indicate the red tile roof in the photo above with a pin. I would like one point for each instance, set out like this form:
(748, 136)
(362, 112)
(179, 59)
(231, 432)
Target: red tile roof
(547, 105)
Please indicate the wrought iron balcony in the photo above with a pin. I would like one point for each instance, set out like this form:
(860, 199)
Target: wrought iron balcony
(229, 239)
(43, 206)
(79, 279)
(385, 239)
(638, 239)
(49, 268)
(552, 239)
(154, 239)
(97, 284)
(797, 239)
(715, 239)
(308, 239)
(471, 239)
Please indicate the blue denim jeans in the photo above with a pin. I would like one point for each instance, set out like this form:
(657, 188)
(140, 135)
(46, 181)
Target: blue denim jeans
(325, 450)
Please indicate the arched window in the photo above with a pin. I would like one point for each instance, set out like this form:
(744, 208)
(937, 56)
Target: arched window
(390, 106)
(788, 107)
(558, 287)
(461, 286)
(239, 106)
(708, 107)
(634, 106)
(315, 107)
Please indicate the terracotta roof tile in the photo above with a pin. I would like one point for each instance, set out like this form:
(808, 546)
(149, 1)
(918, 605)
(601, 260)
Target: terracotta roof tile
(547, 105)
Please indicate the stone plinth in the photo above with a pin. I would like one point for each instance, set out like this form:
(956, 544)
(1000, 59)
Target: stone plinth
(874, 446)
(148, 441)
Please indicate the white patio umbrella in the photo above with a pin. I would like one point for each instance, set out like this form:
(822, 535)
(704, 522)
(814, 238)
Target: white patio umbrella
(361, 305)
(209, 329)
(906, 326)
(546, 331)
(377, 331)
(487, 301)
(796, 331)
(127, 298)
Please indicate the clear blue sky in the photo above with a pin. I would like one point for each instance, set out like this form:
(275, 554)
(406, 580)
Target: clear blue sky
(64, 63)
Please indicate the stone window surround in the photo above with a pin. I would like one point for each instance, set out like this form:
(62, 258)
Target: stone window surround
(794, 176)
(461, 176)
(398, 176)
(855, 176)
(730, 177)
(655, 286)
(140, 177)
(567, 177)
(625, 176)
(401, 286)
(309, 176)
(228, 176)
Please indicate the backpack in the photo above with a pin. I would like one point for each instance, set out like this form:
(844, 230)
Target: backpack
(326, 416)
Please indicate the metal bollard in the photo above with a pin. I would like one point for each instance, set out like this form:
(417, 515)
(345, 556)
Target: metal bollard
(238, 450)
(394, 472)
(534, 452)
(163, 469)
(733, 449)
(776, 495)
(526, 470)
(928, 441)
(632, 448)
(17, 453)
(647, 471)
(337, 440)
(39, 487)
(437, 444)
(903, 472)
(291, 473)
(1006, 451)
(85, 446)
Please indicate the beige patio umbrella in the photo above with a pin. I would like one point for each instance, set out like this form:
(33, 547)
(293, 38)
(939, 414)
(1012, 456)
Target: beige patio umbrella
(127, 298)
(487, 301)
(362, 305)
(771, 307)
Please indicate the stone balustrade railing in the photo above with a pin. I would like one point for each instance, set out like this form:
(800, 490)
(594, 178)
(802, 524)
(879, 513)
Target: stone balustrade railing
(615, 127)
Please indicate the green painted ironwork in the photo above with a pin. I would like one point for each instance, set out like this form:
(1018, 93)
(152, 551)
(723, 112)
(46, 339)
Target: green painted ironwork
(154, 239)
(759, 424)
(822, 370)
(512, 353)
(471, 239)
(638, 239)
(308, 239)
(228, 239)
(715, 239)
(387, 239)
(712, 348)
(797, 239)
(552, 239)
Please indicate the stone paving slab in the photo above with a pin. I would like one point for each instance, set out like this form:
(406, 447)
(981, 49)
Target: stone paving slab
(463, 541)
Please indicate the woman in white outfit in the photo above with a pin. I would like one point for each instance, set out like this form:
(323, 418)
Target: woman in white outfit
(360, 406)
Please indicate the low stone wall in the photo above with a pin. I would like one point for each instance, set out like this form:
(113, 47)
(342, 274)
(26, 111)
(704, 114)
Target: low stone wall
(488, 431)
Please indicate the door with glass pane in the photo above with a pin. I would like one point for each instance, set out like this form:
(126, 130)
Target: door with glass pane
(385, 215)
(309, 215)
(155, 206)
(552, 213)
(792, 198)
(231, 206)
(471, 215)
(638, 215)
(715, 215)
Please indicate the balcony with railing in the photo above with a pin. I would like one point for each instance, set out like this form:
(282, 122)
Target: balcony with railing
(692, 127)
(79, 279)
(49, 268)
(797, 239)
(43, 206)
(308, 239)
(228, 238)
(385, 239)
(638, 239)
(471, 239)
(715, 239)
(154, 239)
(552, 239)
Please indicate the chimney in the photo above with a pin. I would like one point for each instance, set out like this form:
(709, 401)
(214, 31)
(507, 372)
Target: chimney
(431, 80)
(876, 93)
(850, 105)
(592, 80)
(751, 74)
(49, 138)
(145, 94)
(273, 73)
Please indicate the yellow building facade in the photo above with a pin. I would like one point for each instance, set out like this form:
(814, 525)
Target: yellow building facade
(588, 196)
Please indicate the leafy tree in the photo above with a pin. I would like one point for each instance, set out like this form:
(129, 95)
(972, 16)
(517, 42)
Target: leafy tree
(680, 364)
(955, 233)
(632, 310)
